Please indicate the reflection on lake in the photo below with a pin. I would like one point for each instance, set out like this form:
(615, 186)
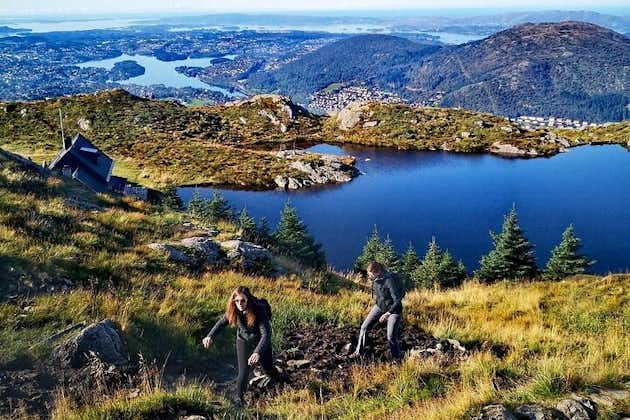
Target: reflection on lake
(163, 72)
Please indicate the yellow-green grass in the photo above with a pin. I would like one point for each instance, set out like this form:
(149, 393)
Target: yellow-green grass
(406, 127)
(157, 143)
(616, 133)
(153, 404)
(561, 337)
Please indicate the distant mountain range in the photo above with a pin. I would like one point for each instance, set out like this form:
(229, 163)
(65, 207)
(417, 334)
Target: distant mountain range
(568, 69)
(379, 60)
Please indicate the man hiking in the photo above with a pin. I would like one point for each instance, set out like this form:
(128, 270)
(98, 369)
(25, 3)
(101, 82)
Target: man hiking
(388, 291)
(253, 336)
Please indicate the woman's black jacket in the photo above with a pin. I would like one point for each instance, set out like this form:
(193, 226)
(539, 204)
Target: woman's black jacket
(260, 332)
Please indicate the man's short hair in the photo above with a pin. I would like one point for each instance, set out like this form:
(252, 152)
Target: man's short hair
(375, 267)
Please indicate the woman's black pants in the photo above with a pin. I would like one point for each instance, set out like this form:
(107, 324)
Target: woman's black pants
(243, 351)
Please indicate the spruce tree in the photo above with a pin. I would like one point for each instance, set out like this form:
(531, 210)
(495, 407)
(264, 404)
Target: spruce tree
(370, 251)
(196, 204)
(247, 225)
(452, 273)
(438, 269)
(512, 256)
(427, 274)
(409, 262)
(170, 200)
(292, 239)
(565, 260)
(388, 257)
(218, 208)
(378, 250)
(263, 233)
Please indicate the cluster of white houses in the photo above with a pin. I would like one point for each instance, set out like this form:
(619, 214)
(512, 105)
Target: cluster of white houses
(81, 160)
(551, 122)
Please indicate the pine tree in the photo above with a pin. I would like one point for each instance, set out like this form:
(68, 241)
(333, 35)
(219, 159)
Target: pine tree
(370, 251)
(409, 262)
(512, 256)
(247, 225)
(388, 257)
(263, 233)
(170, 200)
(438, 269)
(565, 260)
(292, 239)
(427, 274)
(218, 208)
(196, 204)
(452, 273)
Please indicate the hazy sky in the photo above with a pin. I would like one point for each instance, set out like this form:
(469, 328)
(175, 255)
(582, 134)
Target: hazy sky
(114, 6)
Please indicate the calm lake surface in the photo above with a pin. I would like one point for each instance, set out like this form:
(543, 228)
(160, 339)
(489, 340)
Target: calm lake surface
(163, 72)
(459, 198)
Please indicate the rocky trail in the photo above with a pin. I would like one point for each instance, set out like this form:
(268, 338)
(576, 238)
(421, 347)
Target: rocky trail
(320, 354)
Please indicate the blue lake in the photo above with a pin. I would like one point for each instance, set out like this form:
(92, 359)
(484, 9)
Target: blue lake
(163, 72)
(459, 198)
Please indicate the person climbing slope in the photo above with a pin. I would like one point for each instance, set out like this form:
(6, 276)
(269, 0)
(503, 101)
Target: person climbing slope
(251, 316)
(388, 291)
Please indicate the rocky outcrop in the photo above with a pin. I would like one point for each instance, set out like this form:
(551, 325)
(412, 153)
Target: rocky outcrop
(510, 150)
(316, 169)
(350, 116)
(101, 339)
(576, 407)
(247, 256)
(495, 412)
(193, 251)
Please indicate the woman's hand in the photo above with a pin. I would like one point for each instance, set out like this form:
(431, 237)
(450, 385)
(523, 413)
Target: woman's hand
(207, 342)
(384, 317)
(253, 359)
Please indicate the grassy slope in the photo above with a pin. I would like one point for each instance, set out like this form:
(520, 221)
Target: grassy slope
(560, 337)
(155, 142)
(405, 127)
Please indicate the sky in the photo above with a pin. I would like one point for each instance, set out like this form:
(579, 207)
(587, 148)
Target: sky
(26, 7)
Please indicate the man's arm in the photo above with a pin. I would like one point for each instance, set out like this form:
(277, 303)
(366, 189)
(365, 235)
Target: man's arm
(396, 293)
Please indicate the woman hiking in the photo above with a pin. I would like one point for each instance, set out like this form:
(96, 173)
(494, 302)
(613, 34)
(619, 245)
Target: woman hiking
(388, 308)
(253, 336)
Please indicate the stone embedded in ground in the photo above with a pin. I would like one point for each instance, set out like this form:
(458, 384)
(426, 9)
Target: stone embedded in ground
(209, 249)
(246, 254)
(192, 418)
(174, 254)
(298, 363)
(102, 339)
(575, 410)
(495, 412)
(609, 396)
(533, 412)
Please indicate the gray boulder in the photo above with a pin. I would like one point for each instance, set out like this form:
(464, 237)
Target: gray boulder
(206, 247)
(535, 412)
(495, 412)
(575, 410)
(101, 339)
(246, 255)
(174, 254)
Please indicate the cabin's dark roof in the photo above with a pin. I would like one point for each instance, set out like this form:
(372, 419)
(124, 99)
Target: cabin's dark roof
(87, 178)
(87, 163)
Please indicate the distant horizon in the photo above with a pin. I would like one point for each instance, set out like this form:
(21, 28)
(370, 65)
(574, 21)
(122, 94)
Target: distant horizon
(449, 11)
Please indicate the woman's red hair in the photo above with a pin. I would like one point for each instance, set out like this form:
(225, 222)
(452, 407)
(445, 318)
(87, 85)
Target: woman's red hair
(231, 311)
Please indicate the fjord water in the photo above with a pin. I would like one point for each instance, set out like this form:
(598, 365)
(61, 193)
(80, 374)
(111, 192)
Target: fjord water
(459, 198)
